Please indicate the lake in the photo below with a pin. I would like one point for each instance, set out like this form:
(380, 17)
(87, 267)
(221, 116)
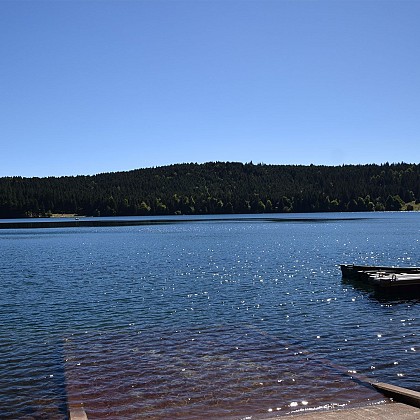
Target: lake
(235, 317)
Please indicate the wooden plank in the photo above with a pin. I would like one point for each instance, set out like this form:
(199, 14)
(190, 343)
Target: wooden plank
(398, 393)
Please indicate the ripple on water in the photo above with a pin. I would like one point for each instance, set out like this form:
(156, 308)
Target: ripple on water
(215, 319)
(221, 373)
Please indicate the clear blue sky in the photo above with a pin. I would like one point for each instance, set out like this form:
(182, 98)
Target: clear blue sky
(102, 86)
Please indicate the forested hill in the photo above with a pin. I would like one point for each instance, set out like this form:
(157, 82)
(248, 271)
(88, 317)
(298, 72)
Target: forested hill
(215, 188)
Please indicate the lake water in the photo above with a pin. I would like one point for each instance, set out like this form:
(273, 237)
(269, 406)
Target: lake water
(229, 317)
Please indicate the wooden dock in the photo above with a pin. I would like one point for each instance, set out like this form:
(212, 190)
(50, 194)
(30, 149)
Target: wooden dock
(383, 277)
(392, 280)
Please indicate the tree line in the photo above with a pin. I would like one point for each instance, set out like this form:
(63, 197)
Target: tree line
(215, 188)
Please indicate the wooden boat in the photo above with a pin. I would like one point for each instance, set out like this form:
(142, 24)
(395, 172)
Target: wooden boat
(383, 276)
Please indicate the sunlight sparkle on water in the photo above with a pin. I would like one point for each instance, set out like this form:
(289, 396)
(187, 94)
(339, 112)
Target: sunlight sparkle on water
(199, 296)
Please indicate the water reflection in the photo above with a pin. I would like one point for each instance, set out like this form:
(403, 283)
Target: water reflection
(392, 296)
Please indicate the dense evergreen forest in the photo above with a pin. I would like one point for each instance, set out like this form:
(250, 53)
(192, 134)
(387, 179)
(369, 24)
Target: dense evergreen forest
(215, 188)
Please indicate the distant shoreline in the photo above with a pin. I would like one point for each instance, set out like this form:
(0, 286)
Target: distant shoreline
(83, 221)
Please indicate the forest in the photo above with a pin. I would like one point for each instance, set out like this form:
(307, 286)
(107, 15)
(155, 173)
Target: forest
(216, 188)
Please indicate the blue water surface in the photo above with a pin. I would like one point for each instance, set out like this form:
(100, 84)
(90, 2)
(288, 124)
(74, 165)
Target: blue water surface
(217, 317)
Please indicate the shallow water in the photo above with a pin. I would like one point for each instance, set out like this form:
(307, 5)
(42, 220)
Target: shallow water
(218, 317)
